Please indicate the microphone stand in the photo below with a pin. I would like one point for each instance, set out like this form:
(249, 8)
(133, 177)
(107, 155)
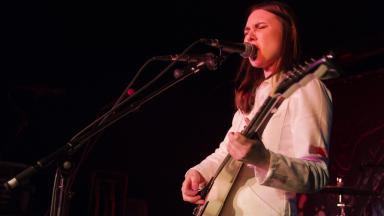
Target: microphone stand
(60, 199)
(62, 155)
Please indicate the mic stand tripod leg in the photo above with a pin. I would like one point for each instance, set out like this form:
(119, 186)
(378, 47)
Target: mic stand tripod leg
(341, 205)
(59, 201)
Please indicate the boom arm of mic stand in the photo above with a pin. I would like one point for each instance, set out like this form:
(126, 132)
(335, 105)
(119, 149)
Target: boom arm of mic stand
(136, 105)
(58, 202)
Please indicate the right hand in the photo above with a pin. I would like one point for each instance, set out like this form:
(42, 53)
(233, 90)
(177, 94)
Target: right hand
(193, 180)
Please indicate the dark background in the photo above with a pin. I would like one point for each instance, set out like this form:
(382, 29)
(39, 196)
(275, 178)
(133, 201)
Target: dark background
(66, 62)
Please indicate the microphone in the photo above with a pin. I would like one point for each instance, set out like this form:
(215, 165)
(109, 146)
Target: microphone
(246, 50)
(187, 58)
(20, 178)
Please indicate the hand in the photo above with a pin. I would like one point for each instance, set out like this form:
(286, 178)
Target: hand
(193, 180)
(248, 150)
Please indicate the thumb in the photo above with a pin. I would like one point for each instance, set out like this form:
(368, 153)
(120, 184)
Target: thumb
(195, 180)
(247, 121)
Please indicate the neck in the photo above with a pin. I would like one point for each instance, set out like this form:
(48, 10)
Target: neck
(268, 73)
(270, 70)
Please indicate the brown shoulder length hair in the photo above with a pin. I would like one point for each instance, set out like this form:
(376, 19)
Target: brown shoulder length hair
(249, 78)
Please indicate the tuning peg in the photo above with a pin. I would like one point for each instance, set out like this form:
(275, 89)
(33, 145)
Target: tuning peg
(302, 67)
(330, 55)
(297, 71)
(290, 74)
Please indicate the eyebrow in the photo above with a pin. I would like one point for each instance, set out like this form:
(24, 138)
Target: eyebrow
(257, 23)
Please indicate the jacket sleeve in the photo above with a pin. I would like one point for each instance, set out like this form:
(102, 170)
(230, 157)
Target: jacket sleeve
(210, 164)
(310, 122)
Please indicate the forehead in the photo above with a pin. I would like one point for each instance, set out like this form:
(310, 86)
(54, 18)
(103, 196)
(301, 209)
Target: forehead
(260, 15)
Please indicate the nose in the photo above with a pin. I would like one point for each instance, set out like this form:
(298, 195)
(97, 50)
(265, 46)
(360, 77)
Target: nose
(250, 37)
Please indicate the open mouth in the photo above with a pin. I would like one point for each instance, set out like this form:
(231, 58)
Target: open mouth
(253, 57)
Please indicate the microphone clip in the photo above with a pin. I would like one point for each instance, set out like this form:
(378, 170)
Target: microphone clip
(211, 62)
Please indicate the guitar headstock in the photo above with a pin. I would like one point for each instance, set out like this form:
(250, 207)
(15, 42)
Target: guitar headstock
(322, 68)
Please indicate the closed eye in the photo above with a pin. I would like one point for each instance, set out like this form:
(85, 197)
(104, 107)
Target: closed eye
(257, 26)
(260, 25)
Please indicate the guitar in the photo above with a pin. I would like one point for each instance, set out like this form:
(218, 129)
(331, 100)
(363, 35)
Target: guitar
(228, 170)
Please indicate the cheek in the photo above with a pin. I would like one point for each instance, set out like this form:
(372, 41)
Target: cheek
(272, 45)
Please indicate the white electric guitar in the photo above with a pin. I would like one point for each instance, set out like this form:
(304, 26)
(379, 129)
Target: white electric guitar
(217, 189)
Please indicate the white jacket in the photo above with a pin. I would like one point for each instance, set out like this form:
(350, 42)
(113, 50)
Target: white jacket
(297, 137)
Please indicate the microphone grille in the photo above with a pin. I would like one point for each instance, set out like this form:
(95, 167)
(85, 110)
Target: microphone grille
(250, 51)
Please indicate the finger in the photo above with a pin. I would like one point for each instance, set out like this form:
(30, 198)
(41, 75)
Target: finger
(195, 184)
(232, 140)
(192, 199)
(231, 136)
(186, 188)
(189, 192)
(202, 185)
(232, 151)
(247, 121)
(196, 181)
(186, 184)
(200, 202)
(229, 147)
(241, 140)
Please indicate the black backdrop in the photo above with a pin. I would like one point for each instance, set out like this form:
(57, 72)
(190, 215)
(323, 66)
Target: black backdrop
(66, 62)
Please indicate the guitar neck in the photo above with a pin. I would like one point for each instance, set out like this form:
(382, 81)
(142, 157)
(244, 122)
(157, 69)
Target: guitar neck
(257, 125)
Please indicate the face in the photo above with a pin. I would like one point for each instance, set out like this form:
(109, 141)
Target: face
(264, 30)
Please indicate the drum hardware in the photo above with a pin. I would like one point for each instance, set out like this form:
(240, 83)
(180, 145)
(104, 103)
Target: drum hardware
(341, 190)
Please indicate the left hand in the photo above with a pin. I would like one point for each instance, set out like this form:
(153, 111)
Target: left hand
(248, 150)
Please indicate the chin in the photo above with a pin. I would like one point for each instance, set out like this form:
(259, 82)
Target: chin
(256, 63)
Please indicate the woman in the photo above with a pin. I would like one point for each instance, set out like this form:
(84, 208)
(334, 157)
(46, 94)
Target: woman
(292, 154)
